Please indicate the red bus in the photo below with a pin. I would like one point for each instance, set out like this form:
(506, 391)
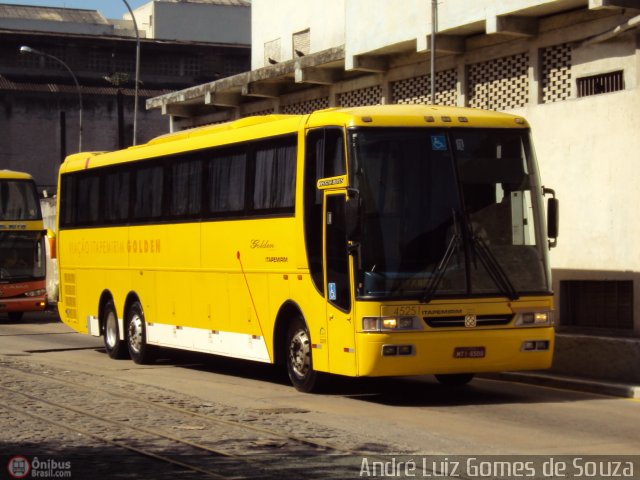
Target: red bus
(22, 246)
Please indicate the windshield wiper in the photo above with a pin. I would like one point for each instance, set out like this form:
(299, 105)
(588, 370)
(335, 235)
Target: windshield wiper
(495, 271)
(436, 278)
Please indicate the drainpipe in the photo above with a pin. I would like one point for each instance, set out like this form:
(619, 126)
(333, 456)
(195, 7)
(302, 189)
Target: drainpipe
(628, 25)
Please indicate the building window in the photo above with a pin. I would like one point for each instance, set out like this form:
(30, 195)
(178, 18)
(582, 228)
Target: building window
(302, 43)
(597, 304)
(307, 106)
(556, 73)
(168, 66)
(364, 96)
(190, 67)
(272, 52)
(603, 83)
(500, 84)
(417, 90)
(98, 61)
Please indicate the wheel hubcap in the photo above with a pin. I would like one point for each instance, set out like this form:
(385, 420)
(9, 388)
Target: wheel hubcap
(300, 353)
(111, 330)
(135, 333)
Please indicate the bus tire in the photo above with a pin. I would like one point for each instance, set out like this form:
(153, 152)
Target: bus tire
(299, 363)
(115, 347)
(136, 330)
(454, 379)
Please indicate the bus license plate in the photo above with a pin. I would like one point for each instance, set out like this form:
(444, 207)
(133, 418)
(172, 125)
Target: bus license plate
(468, 352)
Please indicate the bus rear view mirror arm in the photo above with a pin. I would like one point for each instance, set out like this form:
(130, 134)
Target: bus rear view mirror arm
(353, 214)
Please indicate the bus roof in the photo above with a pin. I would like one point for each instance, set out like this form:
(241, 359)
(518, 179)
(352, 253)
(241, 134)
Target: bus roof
(415, 116)
(248, 128)
(13, 175)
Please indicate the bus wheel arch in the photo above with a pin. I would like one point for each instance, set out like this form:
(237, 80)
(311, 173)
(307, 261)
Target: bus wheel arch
(294, 340)
(288, 312)
(108, 318)
(136, 331)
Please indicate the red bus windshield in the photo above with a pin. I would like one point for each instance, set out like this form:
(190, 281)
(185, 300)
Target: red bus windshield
(19, 200)
(22, 256)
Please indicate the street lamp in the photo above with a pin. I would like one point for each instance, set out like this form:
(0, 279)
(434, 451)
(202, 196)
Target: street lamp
(25, 50)
(135, 102)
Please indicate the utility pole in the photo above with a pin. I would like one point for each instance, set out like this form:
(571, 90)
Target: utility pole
(135, 102)
(434, 29)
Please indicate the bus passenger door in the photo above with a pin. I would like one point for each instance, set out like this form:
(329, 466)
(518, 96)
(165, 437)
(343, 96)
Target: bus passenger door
(341, 331)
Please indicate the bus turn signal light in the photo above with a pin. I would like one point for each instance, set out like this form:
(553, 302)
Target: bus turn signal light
(390, 324)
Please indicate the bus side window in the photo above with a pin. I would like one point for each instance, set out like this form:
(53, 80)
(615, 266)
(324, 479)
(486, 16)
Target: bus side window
(115, 203)
(88, 199)
(147, 198)
(334, 163)
(186, 187)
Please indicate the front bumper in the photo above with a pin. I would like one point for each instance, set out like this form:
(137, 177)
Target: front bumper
(23, 304)
(433, 352)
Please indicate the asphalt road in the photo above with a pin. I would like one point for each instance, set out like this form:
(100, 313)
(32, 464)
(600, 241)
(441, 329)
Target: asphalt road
(385, 416)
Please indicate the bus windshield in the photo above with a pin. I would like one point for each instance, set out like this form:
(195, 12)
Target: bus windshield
(22, 256)
(19, 200)
(448, 212)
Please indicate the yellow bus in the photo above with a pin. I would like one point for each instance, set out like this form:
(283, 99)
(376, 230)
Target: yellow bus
(370, 241)
(22, 246)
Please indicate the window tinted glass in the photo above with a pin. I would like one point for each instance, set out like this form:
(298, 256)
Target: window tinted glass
(87, 200)
(148, 192)
(186, 188)
(116, 196)
(19, 200)
(203, 184)
(275, 176)
(227, 182)
(67, 200)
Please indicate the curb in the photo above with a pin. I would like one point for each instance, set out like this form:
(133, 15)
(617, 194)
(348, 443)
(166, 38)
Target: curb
(613, 389)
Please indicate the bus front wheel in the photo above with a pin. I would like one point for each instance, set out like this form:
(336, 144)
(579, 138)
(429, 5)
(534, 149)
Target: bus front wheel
(299, 366)
(115, 347)
(136, 328)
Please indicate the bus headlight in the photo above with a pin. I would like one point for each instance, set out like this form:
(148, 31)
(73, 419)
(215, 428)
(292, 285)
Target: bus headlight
(36, 293)
(390, 324)
(534, 319)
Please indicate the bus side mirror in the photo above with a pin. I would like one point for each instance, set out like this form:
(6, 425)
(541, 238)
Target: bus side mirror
(352, 213)
(553, 216)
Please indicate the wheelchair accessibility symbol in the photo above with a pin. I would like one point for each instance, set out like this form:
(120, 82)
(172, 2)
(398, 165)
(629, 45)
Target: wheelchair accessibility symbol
(438, 143)
(333, 295)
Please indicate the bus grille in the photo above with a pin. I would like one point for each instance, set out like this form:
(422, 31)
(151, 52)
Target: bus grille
(459, 321)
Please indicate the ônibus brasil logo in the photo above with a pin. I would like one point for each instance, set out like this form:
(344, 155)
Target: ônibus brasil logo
(18, 467)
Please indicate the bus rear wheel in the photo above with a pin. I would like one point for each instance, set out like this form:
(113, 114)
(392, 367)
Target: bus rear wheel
(139, 351)
(299, 364)
(115, 347)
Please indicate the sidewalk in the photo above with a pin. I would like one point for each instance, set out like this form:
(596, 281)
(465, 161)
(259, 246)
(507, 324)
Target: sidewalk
(590, 385)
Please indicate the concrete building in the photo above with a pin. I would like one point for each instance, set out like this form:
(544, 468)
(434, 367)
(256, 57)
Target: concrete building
(572, 67)
(216, 21)
(39, 102)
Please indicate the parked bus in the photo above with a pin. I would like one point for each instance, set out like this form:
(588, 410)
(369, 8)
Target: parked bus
(370, 241)
(22, 246)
